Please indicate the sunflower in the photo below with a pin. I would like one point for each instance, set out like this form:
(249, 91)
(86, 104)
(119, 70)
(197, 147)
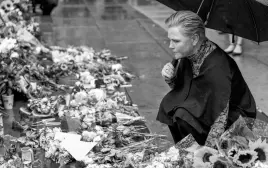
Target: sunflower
(232, 152)
(64, 67)
(6, 5)
(224, 144)
(202, 156)
(220, 164)
(245, 158)
(261, 147)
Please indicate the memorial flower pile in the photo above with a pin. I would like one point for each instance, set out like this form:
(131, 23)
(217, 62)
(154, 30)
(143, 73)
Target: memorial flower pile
(80, 89)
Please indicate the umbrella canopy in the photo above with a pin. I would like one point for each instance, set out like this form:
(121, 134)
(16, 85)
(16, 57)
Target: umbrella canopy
(202, 7)
(245, 18)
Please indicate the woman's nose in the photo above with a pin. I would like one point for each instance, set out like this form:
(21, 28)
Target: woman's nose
(171, 45)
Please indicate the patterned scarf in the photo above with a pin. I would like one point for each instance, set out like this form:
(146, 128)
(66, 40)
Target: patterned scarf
(197, 59)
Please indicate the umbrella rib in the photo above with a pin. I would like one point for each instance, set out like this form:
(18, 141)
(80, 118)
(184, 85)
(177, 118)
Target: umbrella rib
(254, 21)
(211, 7)
(200, 6)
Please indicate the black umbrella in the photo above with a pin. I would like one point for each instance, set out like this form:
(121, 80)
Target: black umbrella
(197, 6)
(245, 18)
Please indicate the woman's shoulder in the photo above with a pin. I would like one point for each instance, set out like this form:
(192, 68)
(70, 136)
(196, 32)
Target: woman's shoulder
(218, 58)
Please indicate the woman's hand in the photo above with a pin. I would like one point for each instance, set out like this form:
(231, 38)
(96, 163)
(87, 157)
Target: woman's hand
(168, 71)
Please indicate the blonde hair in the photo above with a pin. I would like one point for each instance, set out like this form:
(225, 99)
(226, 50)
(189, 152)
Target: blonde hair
(189, 21)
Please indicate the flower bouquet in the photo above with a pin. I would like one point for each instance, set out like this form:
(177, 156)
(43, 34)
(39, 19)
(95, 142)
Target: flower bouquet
(97, 69)
(9, 157)
(20, 65)
(168, 159)
(237, 147)
(15, 15)
(63, 73)
(45, 107)
(123, 147)
(52, 146)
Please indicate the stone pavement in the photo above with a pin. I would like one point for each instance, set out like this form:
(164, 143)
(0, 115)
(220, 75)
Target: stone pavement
(136, 31)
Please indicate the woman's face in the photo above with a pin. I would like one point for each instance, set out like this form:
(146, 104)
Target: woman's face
(181, 45)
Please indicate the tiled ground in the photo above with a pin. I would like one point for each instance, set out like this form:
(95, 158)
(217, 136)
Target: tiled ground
(125, 29)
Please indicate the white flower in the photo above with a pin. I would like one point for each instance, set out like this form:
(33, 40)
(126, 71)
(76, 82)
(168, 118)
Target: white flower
(7, 44)
(61, 57)
(117, 67)
(84, 110)
(78, 83)
(56, 129)
(61, 113)
(72, 50)
(89, 136)
(14, 55)
(88, 160)
(43, 106)
(44, 100)
(89, 119)
(79, 58)
(93, 166)
(2, 12)
(73, 103)
(97, 139)
(12, 8)
(92, 111)
(77, 115)
(81, 97)
(9, 24)
(88, 56)
(98, 128)
(202, 155)
(156, 164)
(38, 50)
(74, 113)
(99, 94)
(174, 154)
(86, 78)
(100, 133)
(111, 104)
(172, 151)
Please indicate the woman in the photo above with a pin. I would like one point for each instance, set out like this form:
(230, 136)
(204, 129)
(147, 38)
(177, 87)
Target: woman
(208, 92)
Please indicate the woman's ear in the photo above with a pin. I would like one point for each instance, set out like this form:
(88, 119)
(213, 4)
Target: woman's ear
(195, 39)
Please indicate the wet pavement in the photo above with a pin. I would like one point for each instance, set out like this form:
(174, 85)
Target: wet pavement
(134, 28)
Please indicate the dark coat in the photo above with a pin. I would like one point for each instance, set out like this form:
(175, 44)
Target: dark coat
(199, 101)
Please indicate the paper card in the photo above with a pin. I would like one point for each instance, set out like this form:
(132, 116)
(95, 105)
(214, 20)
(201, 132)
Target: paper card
(78, 149)
(67, 136)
